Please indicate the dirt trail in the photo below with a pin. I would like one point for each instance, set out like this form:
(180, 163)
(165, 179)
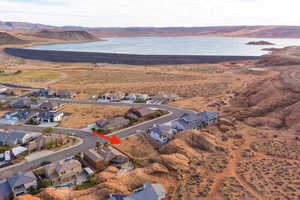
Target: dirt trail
(231, 171)
(62, 77)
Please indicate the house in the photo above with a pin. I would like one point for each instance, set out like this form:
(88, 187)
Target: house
(188, 121)
(163, 98)
(42, 141)
(64, 94)
(63, 171)
(149, 191)
(7, 92)
(137, 97)
(41, 92)
(135, 113)
(210, 117)
(16, 138)
(7, 156)
(18, 151)
(50, 105)
(117, 96)
(46, 93)
(113, 123)
(20, 115)
(24, 103)
(95, 159)
(49, 116)
(99, 158)
(195, 120)
(17, 184)
(161, 133)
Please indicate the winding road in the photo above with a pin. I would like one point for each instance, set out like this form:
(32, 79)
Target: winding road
(87, 138)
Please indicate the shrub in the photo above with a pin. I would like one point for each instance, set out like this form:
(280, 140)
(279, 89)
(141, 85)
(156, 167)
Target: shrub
(48, 130)
(45, 183)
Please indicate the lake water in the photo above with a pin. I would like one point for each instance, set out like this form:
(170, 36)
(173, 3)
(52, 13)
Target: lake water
(173, 46)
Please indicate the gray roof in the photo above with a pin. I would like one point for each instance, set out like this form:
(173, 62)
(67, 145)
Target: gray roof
(5, 190)
(10, 137)
(20, 178)
(50, 104)
(161, 130)
(22, 114)
(103, 153)
(48, 115)
(150, 192)
(209, 114)
(202, 116)
(41, 92)
(94, 155)
(101, 123)
(184, 125)
(23, 102)
(190, 117)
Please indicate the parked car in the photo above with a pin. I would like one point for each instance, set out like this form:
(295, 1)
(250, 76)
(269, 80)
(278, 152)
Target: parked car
(44, 163)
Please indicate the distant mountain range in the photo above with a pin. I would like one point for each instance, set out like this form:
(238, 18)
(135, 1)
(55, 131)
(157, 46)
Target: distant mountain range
(221, 31)
(22, 25)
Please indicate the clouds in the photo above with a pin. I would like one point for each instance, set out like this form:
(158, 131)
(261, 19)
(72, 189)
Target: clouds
(152, 12)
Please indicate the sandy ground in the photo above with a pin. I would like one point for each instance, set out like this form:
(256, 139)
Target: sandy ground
(80, 116)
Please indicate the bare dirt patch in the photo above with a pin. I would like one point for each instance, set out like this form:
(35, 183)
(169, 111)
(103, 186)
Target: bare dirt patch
(83, 115)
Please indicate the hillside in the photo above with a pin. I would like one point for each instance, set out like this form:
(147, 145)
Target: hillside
(66, 35)
(281, 57)
(217, 31)
(220, 31)
(22, 25)
(274, 101)
(6, 38)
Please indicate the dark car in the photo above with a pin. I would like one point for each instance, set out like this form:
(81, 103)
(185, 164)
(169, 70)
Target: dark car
(44, 163)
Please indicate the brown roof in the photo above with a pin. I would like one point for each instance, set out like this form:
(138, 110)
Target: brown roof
(142, 111)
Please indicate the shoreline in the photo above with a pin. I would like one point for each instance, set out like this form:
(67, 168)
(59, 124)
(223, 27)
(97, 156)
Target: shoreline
(116, 58)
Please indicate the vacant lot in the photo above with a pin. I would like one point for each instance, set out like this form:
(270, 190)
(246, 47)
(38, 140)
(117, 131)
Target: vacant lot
(132, 146)
(83, 115)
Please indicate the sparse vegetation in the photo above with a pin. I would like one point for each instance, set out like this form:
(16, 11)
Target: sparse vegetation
(88, 184)
(31, 78)
(48, 130)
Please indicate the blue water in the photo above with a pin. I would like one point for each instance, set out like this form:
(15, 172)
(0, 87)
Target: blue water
(173, 46)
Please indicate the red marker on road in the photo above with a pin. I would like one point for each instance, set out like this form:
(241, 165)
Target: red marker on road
(113, 139)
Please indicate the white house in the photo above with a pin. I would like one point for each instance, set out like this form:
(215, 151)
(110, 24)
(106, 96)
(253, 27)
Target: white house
(15, 138)
(18, 150)
(137, 97)
(49, 116)
(7, 156)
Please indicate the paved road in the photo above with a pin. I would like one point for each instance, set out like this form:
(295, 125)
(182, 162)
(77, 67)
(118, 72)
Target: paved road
(89, 140)
(18, 86)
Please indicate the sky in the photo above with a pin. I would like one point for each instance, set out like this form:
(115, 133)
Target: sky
(158, 13)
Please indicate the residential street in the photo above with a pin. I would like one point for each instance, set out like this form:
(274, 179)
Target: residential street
(89, 140)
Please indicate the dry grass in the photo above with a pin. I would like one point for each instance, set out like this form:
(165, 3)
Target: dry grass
(31, 78)
(196, 103)
(83, 115)
(187, 80)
